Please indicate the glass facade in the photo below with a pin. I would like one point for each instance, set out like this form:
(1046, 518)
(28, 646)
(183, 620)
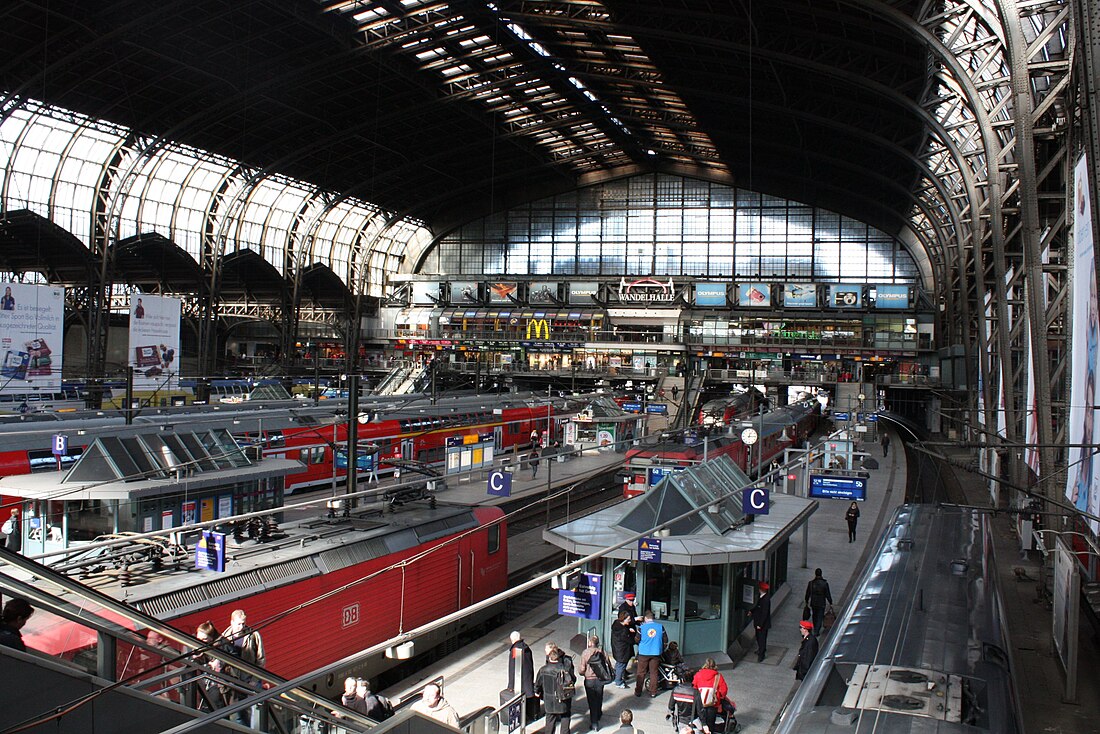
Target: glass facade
(658, 224)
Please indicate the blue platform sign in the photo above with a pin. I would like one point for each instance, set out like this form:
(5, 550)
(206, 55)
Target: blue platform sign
(841, 416)
(60, 444)
(649, 550)
(658, 408)
(757, 501)
(632, 407)
(584, 602)
(210, 551)
(872, 417)
(500, 483)
(838, 487)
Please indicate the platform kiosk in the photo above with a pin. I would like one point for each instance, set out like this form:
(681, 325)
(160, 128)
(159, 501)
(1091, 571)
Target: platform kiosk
(700, 574)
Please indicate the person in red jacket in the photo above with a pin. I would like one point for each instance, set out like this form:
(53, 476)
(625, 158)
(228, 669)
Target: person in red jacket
(712, 690)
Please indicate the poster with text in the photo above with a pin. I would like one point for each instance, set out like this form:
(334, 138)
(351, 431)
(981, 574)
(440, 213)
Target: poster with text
(155, 341)
(1081, 477)
(754, 295)
(710, 294)
(799, 295)
(32, 319)
(892, 296)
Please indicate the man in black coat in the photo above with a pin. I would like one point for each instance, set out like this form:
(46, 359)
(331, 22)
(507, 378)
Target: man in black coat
(548, 686)
(520, 656)
(807, 652)
(762, 620)
(817, 596)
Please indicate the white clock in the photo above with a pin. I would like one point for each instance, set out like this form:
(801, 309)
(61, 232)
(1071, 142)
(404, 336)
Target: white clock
(749, 436)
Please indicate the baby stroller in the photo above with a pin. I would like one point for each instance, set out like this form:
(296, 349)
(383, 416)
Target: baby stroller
(727, 718)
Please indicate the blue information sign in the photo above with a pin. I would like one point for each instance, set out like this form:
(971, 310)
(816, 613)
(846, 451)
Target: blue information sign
(659, 408)
(649, 550)
(757, 501)
(838, 487)
(585, 601)
(632, 407)
(872, 417)
(841, 416)
(210, 551)
(500, 483)
(60, 444)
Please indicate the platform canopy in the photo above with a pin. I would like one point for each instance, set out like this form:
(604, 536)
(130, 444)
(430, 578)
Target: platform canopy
(704, 538)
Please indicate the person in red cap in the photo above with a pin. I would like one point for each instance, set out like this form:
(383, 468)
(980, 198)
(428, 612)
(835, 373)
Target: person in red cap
(762, 620)
(629, 606)
(807, 652)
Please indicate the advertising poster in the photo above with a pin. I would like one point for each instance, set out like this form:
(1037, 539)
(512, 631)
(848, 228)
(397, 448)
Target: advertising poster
(584, 601)
(425, 293)
(1081, 481)
(502, 292)
(892, 296)
(710, 294)
(32, 321)
(756, 295)
(799, 295)
(542, 293)
(845, 296)
(155, 341)
(583, 293)
(463, 292)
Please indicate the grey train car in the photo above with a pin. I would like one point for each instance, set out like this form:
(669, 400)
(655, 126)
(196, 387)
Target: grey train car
(922, 646)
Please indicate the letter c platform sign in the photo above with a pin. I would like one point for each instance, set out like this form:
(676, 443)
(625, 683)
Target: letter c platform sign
(758, 501)
(500, 483)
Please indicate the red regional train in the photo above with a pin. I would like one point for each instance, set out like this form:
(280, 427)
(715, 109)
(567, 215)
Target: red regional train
(324, 570)
(724, 411)
(777, 430)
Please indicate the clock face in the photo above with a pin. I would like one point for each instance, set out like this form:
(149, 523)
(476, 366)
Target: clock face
(748, 436)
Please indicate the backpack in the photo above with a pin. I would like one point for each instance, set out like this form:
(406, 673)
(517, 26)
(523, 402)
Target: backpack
(565, 685)
(683, 704)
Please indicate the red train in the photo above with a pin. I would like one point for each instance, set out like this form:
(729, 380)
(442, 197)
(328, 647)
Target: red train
(316, 558)
(724, 411)
(777, 430)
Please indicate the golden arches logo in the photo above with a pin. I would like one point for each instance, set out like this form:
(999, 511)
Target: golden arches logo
(539, 327)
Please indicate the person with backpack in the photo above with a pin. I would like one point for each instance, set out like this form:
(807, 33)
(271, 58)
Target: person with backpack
(712, 691)
(554, 685)
(596, 671)
(817, 597)
(567, 663)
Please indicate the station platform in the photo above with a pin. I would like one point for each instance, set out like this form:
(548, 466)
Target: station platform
(474, 676)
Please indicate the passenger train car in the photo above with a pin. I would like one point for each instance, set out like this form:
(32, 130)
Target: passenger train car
(318, 590)
(727, 410)
(922, 647)
(776, 430)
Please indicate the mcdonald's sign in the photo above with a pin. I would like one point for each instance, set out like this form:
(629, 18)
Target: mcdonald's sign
(539, 327)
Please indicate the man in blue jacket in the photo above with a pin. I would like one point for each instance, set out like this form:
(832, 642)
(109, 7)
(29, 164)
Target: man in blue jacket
(650, 646)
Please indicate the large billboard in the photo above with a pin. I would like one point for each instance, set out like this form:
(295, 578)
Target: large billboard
(1081, 480)
(754, 295)
(542, 293)
(845, 296)
(425, 292)
(155, 341)
(502, 292)
(464, 292)
(892, 296)
(799, 295)
(710, 294)
(583, 293)
(32, 319)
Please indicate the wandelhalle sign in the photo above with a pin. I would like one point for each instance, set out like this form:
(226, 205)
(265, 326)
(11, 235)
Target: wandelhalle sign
(584, 602)
(646, 290)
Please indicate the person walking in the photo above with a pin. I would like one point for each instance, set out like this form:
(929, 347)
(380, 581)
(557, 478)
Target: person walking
(817, 597)
(522, 661)
(247, 645)
(553, 684)
(533, 461)
(433, 705)
(807, 652)
(762, 620)
(653, 639)
(13, 529)
(623, 638)
(885, 444)
(626, 722)
(594, 658)
(712, 691)
(852, 517)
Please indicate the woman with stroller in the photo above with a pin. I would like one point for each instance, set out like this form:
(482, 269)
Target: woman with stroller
(712, 690)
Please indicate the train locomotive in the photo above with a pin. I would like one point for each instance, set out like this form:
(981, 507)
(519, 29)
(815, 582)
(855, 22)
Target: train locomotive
(922, 647)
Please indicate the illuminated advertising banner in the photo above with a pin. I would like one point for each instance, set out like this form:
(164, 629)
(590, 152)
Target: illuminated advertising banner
(892, 296)
(845, 296)
(583, 293)
(502, 292)
(1081, 479)
(542, 293)
(463, 292)
(425, 293)
(710, 294)
(155, 341)
(800, 295)
(754, 295)
(32, 319)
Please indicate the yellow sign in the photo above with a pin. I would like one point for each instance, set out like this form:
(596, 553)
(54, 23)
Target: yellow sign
(540, 328)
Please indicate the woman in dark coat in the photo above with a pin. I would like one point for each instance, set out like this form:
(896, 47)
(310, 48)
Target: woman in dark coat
(622, 646)
(852, 516)
(807, 652)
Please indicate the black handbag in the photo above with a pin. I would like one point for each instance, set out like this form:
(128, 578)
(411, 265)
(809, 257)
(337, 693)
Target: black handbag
(601, 666)
(806, 613)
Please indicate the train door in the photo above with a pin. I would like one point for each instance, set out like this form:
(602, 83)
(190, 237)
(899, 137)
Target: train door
(498, 439)
(408, 450)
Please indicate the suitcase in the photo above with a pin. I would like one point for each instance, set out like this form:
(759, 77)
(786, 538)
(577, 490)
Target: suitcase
(506, 695)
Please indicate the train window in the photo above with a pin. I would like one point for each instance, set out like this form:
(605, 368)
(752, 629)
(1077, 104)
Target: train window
(494, 539)
(43, 461)
(312, 455)
(275, 440)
